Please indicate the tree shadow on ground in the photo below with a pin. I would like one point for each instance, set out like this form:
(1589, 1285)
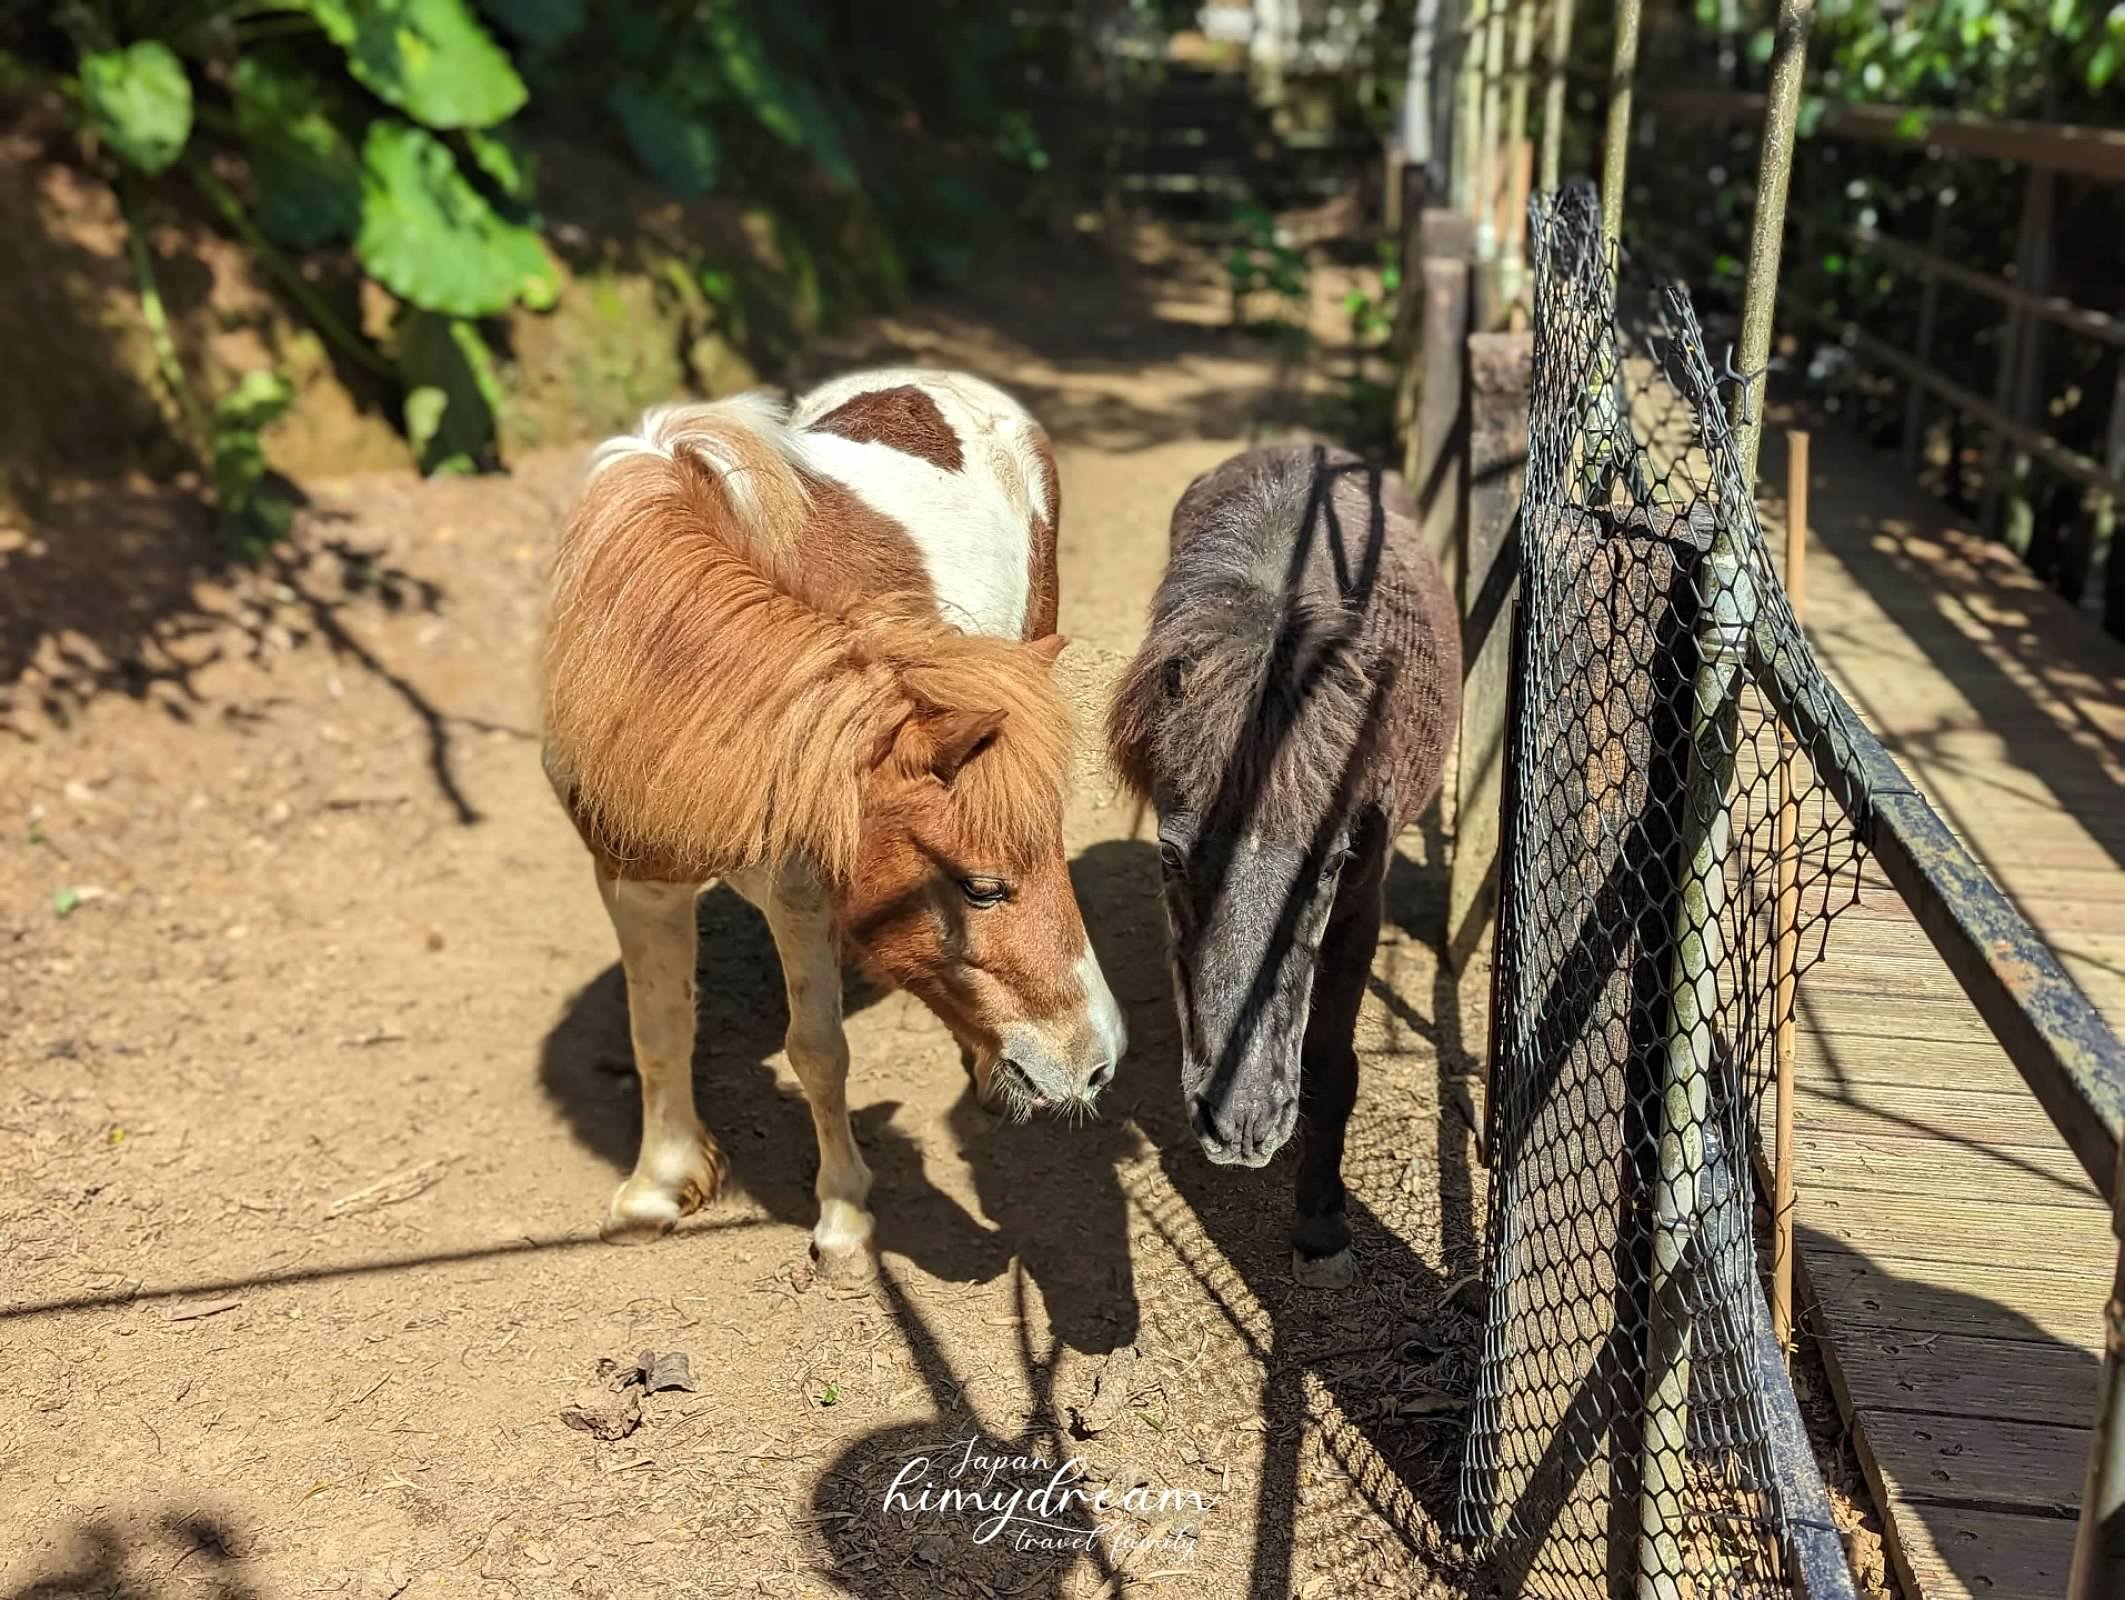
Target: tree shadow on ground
(193, 1550)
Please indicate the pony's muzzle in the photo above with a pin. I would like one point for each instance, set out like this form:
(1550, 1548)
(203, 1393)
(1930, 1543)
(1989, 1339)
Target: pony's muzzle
(1244, 1135)
(1039, 1076)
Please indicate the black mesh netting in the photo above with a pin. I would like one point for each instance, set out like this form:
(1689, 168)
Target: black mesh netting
(1620, 1442)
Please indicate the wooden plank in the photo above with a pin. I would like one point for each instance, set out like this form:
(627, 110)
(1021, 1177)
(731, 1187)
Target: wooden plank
(1945, 1170)
(1920, 1228)
(1836, 1056)
(1951, 1550)
(1499, 369)
(2002, 1303)
(1952, 1374)
(1918, 1111)
(2056, 147)
(1992, 1465)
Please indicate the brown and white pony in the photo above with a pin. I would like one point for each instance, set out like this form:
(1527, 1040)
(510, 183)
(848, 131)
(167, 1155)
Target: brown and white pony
(809, 653)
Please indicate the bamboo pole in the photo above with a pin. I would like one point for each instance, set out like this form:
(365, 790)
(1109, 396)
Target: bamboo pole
(1487, 136)
(1560, 49)
(1468, 134)
(1513, 223)
(1788, 915)
(1616, 138)
(1698, 950)
(1774, 171)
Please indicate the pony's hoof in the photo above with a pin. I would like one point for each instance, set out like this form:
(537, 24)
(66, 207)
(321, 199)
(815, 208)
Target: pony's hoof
(1324, 1272)
(650, 1203)
(847, 1266)
(640, 1214)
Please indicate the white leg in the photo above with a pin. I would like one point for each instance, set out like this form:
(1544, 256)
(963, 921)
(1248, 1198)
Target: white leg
(679, 1166)
(802, 923)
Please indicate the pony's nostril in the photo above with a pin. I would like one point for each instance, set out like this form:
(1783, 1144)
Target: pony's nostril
(1205, 1120)
(1100, 1077)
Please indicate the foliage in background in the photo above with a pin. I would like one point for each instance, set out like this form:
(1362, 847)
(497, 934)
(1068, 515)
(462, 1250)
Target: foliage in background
(391, 138)
(2049, 61)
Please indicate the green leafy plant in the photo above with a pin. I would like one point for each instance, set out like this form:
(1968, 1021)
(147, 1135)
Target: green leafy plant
(385, 136)
(1260, 259)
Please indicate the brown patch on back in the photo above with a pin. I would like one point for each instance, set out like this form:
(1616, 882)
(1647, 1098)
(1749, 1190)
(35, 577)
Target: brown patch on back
(1042, 590)
(903, 417)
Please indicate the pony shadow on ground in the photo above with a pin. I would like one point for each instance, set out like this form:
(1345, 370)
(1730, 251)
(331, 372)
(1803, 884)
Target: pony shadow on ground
(1057, 1219)
(756, 1114)
(1394, 1355)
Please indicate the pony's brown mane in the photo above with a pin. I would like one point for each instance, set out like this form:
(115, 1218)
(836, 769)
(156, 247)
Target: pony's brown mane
(703, 709)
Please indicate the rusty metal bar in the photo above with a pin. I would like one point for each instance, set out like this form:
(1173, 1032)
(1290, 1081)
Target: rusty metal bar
(2055, 1037)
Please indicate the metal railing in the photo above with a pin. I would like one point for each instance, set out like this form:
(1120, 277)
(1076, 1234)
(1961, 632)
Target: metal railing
(2065, 1051)
(2044, 152)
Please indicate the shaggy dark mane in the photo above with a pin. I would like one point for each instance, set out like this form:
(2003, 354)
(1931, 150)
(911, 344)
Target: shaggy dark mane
(1300, 653)
(1274, 698)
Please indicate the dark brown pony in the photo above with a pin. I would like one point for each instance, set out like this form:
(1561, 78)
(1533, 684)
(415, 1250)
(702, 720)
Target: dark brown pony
(810, 654)
(1288, 715)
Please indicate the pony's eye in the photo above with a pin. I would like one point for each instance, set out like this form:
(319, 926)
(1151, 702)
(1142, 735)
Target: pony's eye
(985, 892)
(1171, 856)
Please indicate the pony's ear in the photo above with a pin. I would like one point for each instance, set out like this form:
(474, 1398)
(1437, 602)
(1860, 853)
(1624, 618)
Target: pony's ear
(951, 738)
(1049, 648)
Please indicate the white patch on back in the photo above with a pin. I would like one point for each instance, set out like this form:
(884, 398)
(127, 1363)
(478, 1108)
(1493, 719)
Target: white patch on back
(971, 527)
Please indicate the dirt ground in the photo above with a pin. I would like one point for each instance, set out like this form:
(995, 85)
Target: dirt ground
(315, 1081)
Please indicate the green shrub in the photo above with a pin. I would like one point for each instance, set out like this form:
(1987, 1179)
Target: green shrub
(392, 129)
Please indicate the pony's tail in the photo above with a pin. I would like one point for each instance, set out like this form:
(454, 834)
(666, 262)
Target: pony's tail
(685, 529)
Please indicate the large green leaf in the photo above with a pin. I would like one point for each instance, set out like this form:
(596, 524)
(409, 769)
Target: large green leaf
(675, 142)
(452, 392)
(430, 237)
(789, 108)
(140, 100)
(430, 58)
(538, 22)
(308, 173)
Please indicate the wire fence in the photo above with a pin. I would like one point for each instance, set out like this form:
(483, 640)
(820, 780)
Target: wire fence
(1668, 871)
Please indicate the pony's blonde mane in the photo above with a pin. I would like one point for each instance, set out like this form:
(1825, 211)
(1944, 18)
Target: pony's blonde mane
(706, 705)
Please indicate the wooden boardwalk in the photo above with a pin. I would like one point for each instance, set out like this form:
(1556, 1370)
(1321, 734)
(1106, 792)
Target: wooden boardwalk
(1952, 1251)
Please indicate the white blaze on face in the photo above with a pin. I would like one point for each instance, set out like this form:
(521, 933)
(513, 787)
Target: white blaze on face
(1100, 1007)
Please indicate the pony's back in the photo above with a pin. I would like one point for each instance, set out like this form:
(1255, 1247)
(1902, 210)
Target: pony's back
(1301, 595)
